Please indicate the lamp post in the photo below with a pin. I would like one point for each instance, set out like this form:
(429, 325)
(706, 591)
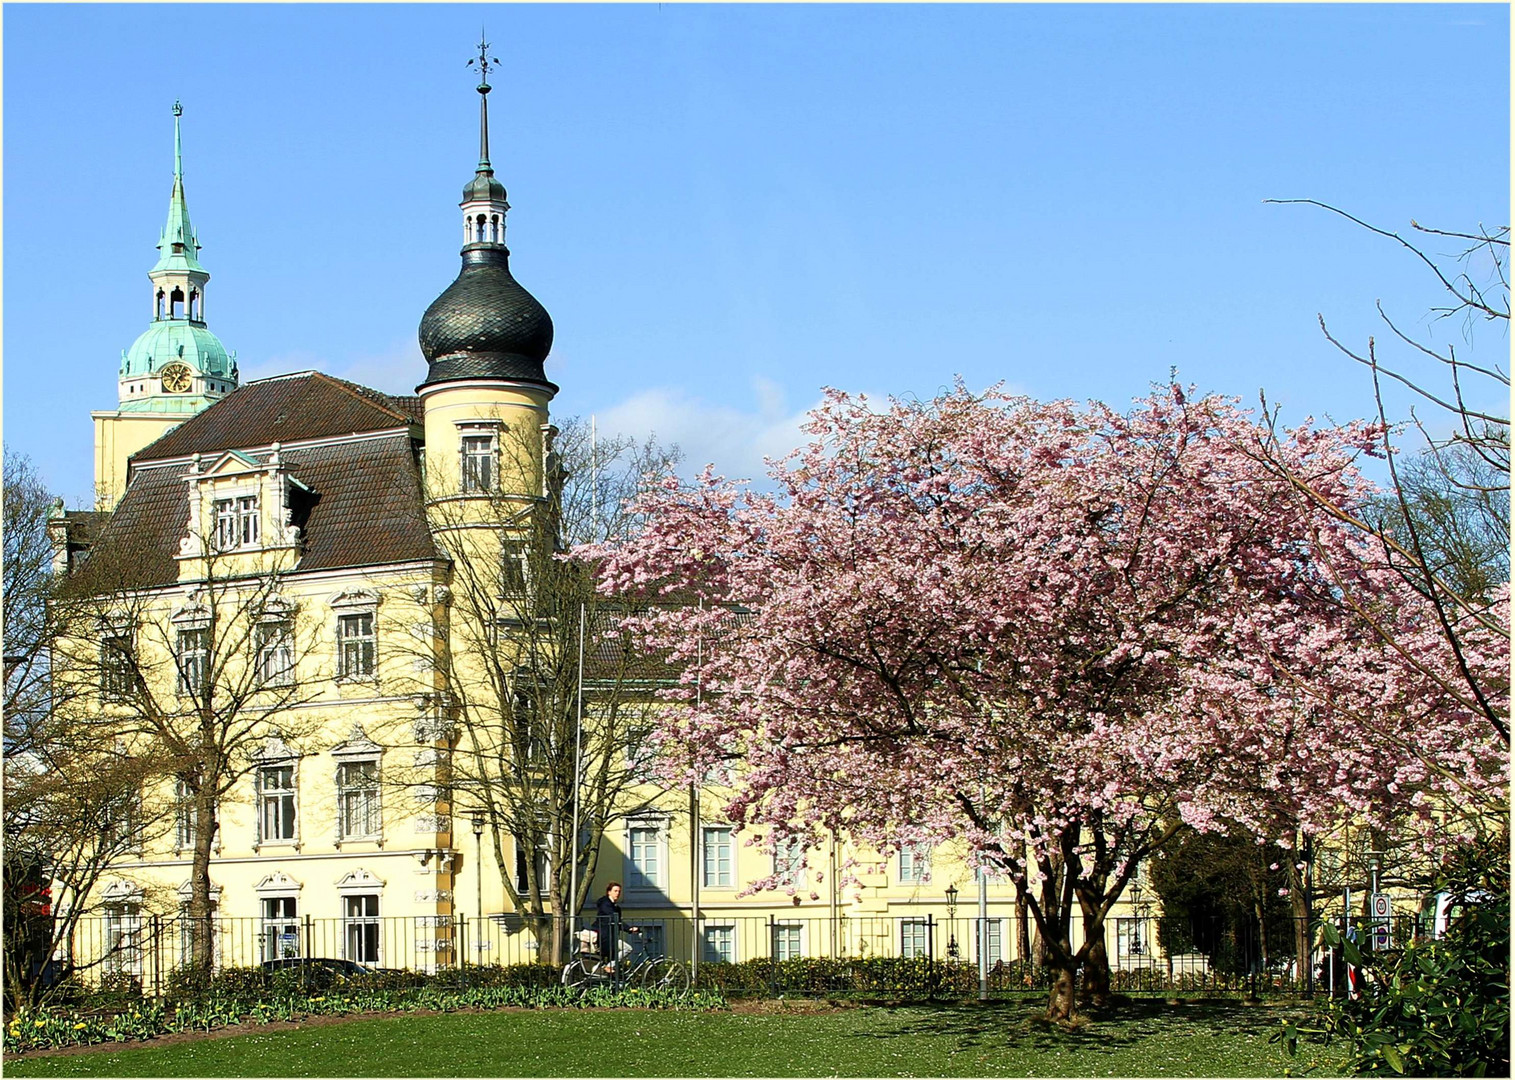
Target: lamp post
(1139, 945)
(952, 949)
(478, 878)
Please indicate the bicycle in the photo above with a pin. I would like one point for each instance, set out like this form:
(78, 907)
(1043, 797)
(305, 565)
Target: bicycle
(634, 967)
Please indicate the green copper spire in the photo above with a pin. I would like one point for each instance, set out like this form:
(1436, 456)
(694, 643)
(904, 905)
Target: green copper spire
(178, 245)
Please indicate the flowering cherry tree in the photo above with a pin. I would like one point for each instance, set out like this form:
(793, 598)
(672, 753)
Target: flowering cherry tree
(1053, 632)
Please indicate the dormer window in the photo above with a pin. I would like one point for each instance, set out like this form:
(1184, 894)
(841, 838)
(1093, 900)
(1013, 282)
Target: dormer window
(237, 522)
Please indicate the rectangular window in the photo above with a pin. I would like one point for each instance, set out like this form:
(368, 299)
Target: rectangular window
(644, 843)
(1130, 939)
(915, 864)
(717, 858)
(515, 572)
(786, 942)
(276, 654)
(184, 815)
(360, 916)
(116, 668)
(281, 928)
(358, 799)
(720, 944)
(522, 883)
(478, 463)
(654, 938)
(123, 938)
(355, 645)
(789, 863)
(995, 938)
(193, 661)
(276, 803)
(913, 938)
(121, 829)
(237, 523)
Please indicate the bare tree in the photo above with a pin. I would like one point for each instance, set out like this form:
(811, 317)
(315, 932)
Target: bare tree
(1445, 512)
(201, 678)
(549, 708)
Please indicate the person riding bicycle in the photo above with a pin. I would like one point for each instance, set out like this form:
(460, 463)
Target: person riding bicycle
(607, 922)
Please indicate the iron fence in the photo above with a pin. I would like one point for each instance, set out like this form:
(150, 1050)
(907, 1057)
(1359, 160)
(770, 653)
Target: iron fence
(757, 954)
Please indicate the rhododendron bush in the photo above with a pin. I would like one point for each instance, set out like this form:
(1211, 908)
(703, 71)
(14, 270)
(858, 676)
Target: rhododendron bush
(1052, 631)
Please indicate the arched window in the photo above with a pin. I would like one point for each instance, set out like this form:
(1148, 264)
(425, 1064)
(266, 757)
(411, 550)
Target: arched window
(194, 303)
(494, 229)
(481, 228)
(175, 303)
(159, 313)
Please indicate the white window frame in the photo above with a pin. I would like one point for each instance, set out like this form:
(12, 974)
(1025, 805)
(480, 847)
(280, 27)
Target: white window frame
(716, 842)
(635, 877)
(239, 523)
(915, 938)
(276, 652)
(192, 659)
(708, 952)
(289, 796)
(117, 650)
(122, 904)
(354, 661)
(476, 428)
(360, 885)
(786, 927)
(914, 863)
(277, 927)
(364, 796)
(357, 602)
(995, 930)
(789, 863)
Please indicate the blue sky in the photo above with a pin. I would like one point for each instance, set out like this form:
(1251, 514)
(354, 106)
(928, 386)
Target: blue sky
(726, 208)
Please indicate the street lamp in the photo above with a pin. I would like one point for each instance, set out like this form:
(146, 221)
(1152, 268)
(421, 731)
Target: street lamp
(478, 878)
(952, 949)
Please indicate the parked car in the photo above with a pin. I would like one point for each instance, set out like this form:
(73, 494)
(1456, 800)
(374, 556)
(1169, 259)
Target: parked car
(318, 971)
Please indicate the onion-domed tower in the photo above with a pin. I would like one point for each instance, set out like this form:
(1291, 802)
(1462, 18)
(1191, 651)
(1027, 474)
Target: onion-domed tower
(485, 340)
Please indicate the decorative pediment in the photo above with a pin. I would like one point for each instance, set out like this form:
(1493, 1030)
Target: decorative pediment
(359, 880)
(122, 892)
(358, 599)
(278, 882)
(232, 463)
(191, 615)
(277, 609)
(275, 749)
(358, 745)
(187, 891)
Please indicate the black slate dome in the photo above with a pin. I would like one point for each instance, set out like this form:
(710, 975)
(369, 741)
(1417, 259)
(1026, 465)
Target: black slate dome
(485, 325)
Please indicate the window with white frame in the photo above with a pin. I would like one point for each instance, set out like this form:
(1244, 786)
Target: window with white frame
(720, 943)
(478, 463)
(787, 941)
(184, 815)
(1130, 939)
(276, 653)
(193, 659)
(117, 668)
(237, 522)
(281, 927)
(276, 803)
(360, 920)
(716, 845)
(523, 883)
(654, 938)
(123, 937)
(914, 938)
(915, 864)
(121, 821)
(358, 810)
(989, 934)
(644, 855)
(789, 862)
(515, 569)
(356, 645)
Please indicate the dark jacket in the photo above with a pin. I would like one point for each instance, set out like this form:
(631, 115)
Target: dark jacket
(608, 922)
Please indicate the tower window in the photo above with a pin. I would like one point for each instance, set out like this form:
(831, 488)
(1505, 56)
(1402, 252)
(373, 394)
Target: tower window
(494, 229)
(159, 308)
(194, 304)
(478, 463)
(480, 224)
(175, 303)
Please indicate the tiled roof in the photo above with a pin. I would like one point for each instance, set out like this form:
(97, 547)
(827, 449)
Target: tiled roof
(364, 509)
(289, 408)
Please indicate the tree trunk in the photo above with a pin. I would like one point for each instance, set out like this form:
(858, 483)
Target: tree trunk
(1061, 1004)
(1096, 987)
(1300, 906)
(201, 958)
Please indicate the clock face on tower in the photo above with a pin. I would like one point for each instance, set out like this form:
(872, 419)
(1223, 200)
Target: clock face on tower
(176, 378)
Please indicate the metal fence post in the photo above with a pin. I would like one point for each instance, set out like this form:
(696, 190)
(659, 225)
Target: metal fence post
(157, 932)
(930, 956)
(310, 938)
(773, 955)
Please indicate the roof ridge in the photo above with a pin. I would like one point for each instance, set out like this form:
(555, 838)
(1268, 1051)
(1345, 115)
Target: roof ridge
(367, 394)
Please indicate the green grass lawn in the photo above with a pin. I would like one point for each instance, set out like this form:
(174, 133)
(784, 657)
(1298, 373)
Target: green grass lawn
(1145, 1038)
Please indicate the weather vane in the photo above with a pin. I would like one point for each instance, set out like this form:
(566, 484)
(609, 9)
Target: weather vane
(484, 60)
